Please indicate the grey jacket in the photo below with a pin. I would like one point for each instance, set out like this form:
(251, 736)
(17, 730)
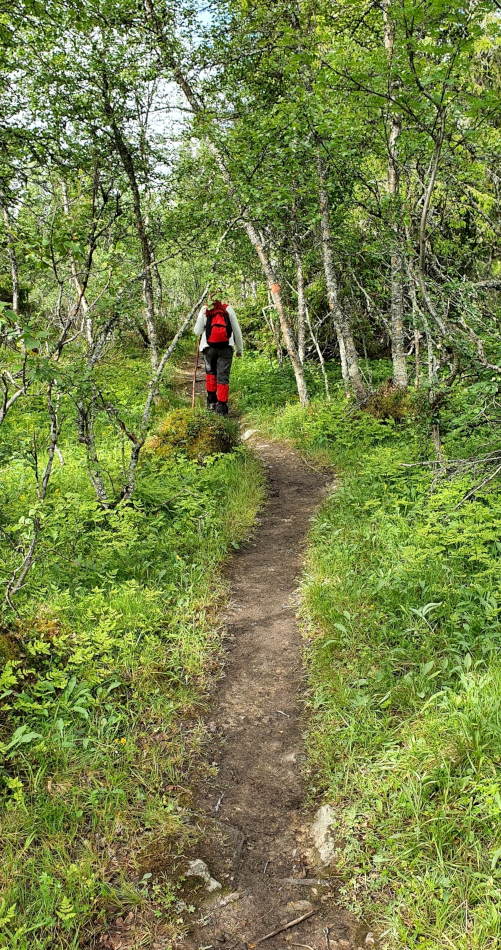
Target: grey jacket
(236, 339)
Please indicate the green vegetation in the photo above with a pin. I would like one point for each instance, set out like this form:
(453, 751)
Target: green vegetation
(198, 435)
(113, 644)
(334, 169)
(401, 603)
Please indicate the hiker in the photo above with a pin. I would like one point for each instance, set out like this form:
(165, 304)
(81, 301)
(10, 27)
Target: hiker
(219, 332)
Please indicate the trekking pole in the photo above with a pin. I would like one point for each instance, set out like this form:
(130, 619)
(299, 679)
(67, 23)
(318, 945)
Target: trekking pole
(195, 375)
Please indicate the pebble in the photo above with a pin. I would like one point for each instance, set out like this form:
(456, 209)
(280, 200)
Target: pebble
(321, 831)
(199, 868)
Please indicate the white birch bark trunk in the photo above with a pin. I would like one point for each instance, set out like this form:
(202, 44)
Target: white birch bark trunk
(81, 296)
(146, 251)
(301, 310)
(417, 369)
(14, 269)
(301, 300)
(396, 262)
(347, 349)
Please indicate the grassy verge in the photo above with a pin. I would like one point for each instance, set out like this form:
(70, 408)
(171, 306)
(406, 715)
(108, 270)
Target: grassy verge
(103, 677)
(401, 597)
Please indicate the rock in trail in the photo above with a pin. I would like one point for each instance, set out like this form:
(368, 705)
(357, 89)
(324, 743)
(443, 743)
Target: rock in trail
(256, 835)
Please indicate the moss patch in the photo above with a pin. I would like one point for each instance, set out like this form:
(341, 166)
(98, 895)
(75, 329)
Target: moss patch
(197, 435)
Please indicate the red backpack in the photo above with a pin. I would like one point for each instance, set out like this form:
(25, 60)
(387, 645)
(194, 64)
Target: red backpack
(218, 327)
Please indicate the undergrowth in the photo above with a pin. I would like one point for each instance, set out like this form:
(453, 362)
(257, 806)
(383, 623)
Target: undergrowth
(401, 601)
(103, 675)
(197, 434)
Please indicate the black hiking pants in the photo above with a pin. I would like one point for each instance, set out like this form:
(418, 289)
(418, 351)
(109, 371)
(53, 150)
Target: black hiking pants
(217, 361)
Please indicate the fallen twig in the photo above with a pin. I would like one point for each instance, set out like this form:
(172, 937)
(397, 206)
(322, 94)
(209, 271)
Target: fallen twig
(317, 470)
(220, 799)
(280, 930)
(307, 881)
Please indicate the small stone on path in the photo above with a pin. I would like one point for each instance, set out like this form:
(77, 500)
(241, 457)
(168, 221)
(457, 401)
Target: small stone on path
(199, 868)
(321, 831)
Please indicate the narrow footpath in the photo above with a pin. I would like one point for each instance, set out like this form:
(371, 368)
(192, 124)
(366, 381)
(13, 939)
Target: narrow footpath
(257, 843)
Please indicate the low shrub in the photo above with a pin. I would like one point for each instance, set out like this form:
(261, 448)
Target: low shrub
(389, 402)
(196, 434)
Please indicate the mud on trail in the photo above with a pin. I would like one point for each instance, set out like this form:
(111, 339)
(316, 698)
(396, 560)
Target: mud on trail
(256, 839)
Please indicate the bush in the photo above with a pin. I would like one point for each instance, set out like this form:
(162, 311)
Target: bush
(389, 402)
(195, 434)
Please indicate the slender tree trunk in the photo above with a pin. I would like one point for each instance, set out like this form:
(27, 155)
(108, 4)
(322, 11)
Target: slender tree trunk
(437, 442)
(156, 276)
(347, 350)
(301, 310)
(423, 226)
(396, 321)
(85, 421)
(146, 251)
(417, 371)
(397, 297)
(19, 576)
(273, 285)
(81, 296)
(432, 373)
(301, 301)
(14, 269)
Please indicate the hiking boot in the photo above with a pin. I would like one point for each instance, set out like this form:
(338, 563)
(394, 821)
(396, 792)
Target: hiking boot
(222, 408)
(211, 402)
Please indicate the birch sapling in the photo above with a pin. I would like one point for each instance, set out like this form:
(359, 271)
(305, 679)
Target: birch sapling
(396, 263)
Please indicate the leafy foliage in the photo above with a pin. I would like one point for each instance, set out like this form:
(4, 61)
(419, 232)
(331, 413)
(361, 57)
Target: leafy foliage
(102, 678)
(401, 604)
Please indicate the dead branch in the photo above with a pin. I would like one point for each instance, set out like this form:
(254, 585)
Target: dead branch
(280, 930)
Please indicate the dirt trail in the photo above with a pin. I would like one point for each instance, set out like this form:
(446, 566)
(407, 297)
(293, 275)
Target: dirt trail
(256, 826)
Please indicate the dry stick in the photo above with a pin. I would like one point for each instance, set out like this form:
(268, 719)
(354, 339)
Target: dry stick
(195, 375)
(285, 927)
(308, 881)
(319, 352)
(317, 470)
